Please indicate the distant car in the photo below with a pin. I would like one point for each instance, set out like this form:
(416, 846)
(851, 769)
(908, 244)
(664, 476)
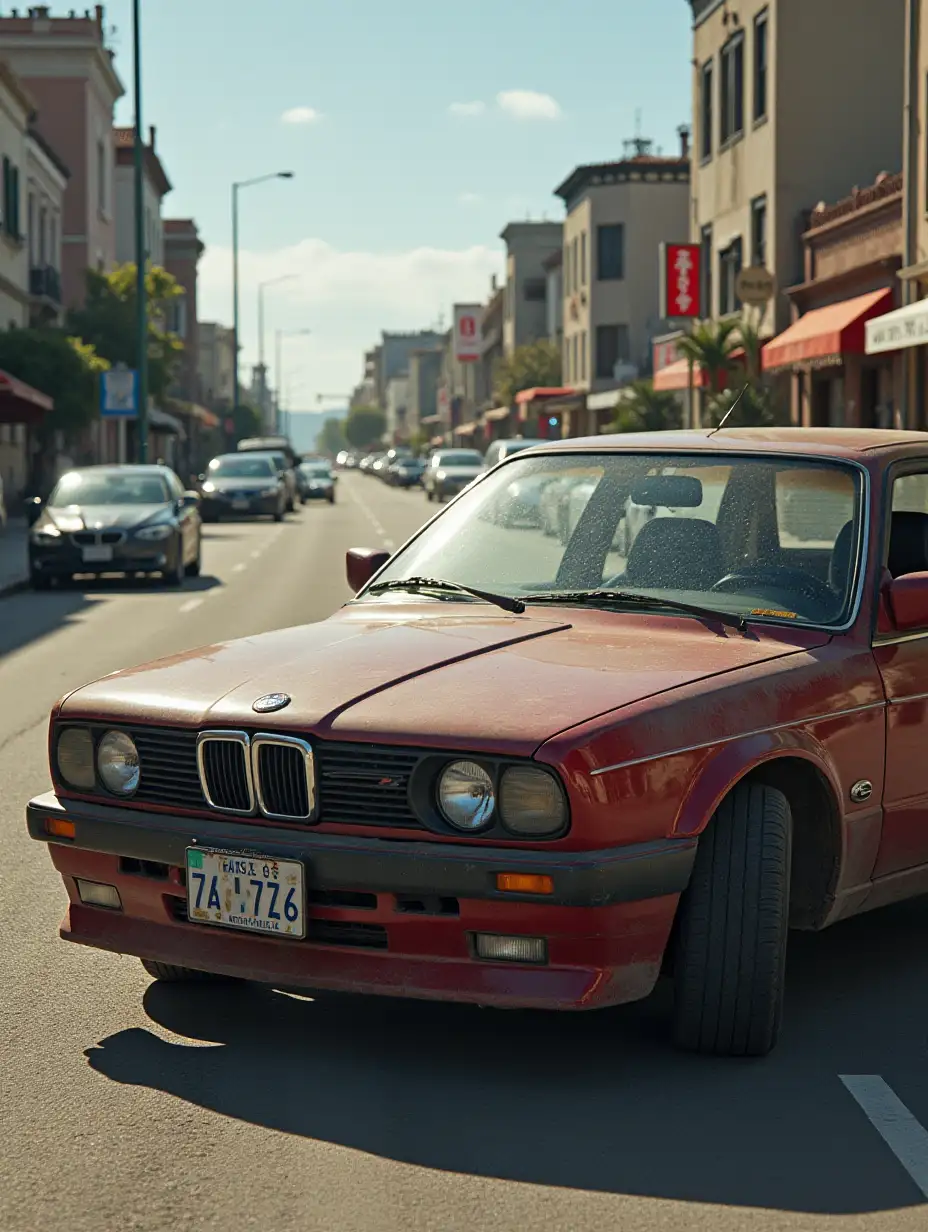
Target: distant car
(270, 444)
(318, 480)
(500, 450)
(115, 519)
(450, 471)
(236, 486)
(379, 468)
(407, 472)
(519, 504)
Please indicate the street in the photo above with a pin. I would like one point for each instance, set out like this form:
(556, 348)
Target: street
(125, 1104)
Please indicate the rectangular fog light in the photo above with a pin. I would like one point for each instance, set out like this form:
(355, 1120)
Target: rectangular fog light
(96, 895)
(511, 949)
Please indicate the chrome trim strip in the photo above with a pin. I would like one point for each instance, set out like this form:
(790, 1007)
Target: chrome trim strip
(229, 737)
(897, 639)
(902, 701)
(760, 731)
(309, 768)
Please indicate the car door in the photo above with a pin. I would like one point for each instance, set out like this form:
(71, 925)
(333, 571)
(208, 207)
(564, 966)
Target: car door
(903, 664)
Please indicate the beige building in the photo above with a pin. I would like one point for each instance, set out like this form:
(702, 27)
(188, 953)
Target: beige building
(793, 101)
(525, 311)
(618, 214)
(216, 364)
(16, 106)
(155, 187)
(46, 181)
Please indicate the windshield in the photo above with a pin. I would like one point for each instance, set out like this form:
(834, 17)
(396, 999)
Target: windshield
(241, 468)
(86, 488)
(762, 537)
(316, 470)
(464, 457)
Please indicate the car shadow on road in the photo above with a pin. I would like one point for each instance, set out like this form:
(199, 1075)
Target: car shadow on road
(588, 1101)
(27, 617)
(121, 585)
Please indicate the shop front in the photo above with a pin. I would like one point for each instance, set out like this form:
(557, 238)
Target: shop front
(900, 338)
(21, 408)
(549, 413)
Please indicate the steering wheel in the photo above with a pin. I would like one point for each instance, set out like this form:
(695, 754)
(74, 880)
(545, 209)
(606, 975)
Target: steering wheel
(788, 579)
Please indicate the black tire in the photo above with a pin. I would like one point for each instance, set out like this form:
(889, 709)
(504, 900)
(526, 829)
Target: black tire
(179, 572)
(332, 499)
(729, 966)
(429, 495)
(177, 975)
(194, 568)
(278, 516)
(39, 581)
(291, 507)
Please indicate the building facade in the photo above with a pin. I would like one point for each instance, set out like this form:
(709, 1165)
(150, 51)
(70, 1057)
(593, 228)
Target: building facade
(525, 301)
(216, 364)
(155, 187)
(424, 373)
(769, 137)
(618, 214)
(16, 106)
(67, 69)
(182, 251)
(397, 401)
(46, 182)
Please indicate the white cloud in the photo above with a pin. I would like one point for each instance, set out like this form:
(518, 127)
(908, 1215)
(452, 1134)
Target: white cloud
(475, 108)
(345, 298)
(528, 105)
(301, 115)
(470, 198)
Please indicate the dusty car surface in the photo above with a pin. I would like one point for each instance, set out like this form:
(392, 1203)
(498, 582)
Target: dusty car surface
(527, 774)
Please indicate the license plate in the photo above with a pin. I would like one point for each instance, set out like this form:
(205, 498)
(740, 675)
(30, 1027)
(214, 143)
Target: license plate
(97, 555)
(241, 504)
(248, 891)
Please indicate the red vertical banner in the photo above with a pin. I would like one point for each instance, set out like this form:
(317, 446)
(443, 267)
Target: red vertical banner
(681, 280)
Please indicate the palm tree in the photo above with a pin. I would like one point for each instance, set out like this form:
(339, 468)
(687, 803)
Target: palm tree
(710, 346)
(752, 344)
(645, 409)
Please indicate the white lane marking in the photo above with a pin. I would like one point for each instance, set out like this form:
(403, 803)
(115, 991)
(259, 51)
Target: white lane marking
(906, 1137)
(388, 543)
(256, 556)
(239, 568)
(190, 606)
(371, 517)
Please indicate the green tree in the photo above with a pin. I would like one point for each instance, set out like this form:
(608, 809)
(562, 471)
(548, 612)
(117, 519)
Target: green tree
(108, 321)
(65, 368)
(247, 420)
(534, 366)
(645, 409)
(710, 346)
(365, 426)
(331, 437)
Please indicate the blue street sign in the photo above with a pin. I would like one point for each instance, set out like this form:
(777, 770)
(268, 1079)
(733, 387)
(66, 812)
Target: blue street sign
(119, 393)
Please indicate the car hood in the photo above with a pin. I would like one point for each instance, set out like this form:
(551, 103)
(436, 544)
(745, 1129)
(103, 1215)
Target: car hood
(432, 674)
(101, 517)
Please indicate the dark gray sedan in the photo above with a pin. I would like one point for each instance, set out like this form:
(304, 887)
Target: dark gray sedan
(244, 485)
(115, 519)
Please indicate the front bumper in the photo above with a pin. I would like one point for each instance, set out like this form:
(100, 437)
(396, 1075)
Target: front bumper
(318, 493)
(130, 556)
(216, 505)
(606, 924)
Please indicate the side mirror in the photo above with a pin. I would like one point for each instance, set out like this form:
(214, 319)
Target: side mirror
(34, 509)
(190, 500)
(908, 601)
(362, 563)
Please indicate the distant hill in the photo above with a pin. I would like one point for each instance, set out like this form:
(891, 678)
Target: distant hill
(303, 426)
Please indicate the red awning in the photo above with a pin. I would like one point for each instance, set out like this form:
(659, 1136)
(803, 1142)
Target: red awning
(20, 403)
(529, 395)
(827, 333)
(676, 376)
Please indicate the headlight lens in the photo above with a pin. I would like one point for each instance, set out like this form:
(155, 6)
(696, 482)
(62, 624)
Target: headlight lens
(154, 534)
(74, 755)
(209, 487)
(118, 763)
(49, 531)
(465, 796)
(531, 802)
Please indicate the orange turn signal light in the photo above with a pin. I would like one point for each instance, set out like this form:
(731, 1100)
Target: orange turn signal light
(60, 828)
(524, 883)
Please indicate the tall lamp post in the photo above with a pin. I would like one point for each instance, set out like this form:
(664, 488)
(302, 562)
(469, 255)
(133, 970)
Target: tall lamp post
(141, 256)
(268, 282)
(279, 336)
(236, 188)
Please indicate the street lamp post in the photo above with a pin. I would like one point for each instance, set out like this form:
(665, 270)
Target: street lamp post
(141, 256)
(268, 282)
(236, 188)
(279, 336)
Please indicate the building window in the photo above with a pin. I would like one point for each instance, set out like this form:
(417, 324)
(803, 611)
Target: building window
(706, 110)
(761, 62)
(732, 95)
(177, 316)
(101, 176)
(730, 262)
(705, 291)
(611, 349)
(610, 252)
(574, 358)
(583, 357)
(565, 347)
(535, 290)
(583, 259)
(759, 232)
(11, 218)
(575, 262)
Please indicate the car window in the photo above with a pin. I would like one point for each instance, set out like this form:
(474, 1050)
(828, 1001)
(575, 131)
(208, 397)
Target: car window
(461, 458)
(739, 533)
(241, 467)
(87, 488)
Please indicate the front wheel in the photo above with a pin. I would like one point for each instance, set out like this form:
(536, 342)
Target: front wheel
(729, 967)
(332, 499)
(176, 576)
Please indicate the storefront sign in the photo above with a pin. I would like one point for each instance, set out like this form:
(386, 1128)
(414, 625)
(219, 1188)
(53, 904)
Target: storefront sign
(467, 318)
(680, 280)
(906, 327)
(119, 393)
(755, 286)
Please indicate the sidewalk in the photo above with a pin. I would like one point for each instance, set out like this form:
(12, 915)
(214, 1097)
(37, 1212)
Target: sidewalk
(14, 566)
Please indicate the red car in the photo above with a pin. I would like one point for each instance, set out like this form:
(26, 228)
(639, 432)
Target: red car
(527, 774)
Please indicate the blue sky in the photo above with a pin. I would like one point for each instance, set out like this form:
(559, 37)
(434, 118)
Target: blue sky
(408, 162)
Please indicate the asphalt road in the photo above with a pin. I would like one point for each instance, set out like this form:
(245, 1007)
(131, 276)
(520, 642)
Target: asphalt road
(129, 1105)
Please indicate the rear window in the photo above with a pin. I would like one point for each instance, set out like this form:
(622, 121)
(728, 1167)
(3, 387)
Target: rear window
(462, 458)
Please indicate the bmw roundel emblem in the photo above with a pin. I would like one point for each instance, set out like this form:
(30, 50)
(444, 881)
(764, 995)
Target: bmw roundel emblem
(271, 702)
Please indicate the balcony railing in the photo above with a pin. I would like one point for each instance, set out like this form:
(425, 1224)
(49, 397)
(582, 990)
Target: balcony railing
(45, 283)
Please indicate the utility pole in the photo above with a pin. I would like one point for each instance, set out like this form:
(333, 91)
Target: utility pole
(141, 255)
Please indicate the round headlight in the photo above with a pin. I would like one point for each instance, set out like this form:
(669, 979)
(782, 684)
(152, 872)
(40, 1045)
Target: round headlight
(118, 763)
(74, 755)
(531, 802)
(465, 796)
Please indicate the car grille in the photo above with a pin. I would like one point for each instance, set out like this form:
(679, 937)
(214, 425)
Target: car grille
(356, 784)
(90, 538)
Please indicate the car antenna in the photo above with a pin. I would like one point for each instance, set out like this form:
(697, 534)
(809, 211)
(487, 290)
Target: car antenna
(725, 417)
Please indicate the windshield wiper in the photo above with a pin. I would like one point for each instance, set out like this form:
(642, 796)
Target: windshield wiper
(426, 583)
(631, 598)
